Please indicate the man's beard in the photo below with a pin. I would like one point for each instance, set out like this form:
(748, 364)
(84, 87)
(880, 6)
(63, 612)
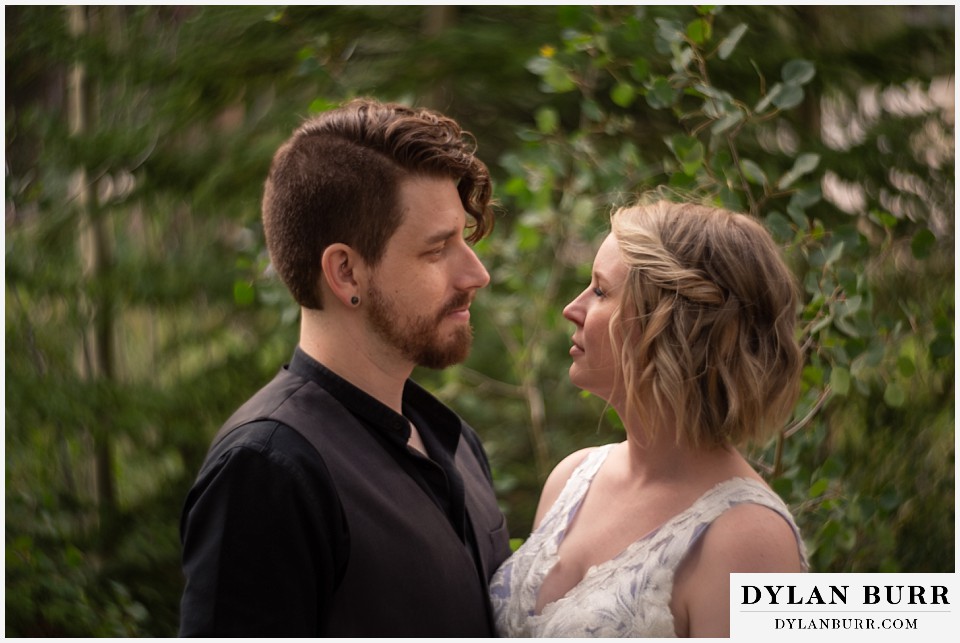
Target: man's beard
(417, 338)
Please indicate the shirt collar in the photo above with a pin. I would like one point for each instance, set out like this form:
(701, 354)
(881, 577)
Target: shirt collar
(427, 412)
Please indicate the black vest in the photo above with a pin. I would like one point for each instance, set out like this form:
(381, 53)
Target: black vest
(408, 573)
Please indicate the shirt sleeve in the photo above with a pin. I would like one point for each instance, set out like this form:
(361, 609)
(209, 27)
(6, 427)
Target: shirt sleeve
(262, 533)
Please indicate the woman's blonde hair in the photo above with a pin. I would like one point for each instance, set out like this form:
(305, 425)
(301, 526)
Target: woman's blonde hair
(706, 322)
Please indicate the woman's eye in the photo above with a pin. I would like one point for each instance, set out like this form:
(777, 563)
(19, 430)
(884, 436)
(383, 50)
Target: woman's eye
(598, 292)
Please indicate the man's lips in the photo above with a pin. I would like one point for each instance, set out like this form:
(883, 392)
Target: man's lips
(459, 308)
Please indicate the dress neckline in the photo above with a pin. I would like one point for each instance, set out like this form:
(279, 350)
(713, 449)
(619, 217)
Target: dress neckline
(552, 546)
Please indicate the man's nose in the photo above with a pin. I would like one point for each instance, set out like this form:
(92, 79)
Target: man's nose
(476, 275)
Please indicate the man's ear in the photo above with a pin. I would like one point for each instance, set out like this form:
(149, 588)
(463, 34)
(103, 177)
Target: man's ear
(342, 271)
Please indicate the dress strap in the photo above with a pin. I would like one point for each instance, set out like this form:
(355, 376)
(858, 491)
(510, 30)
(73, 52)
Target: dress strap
(722, 497)
(574, 490)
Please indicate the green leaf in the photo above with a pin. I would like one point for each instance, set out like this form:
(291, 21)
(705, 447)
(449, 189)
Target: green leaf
(789, 97)
(712, 92)
(874, 355)
(846, 326)
(753, 172)
(894, 395)
(547, 120)
(623, 94)
(528, 238)
(906, 366)
(850, 305)
(558, 79)
(840, 381)
(660, 93)
(73, 556)
(727, 122)
(728, 44)
(243, 293)
(823, 323)
(640, 70)
(670, 30)
(682, 58)
(779, 226)
(833, 254)
(885, 219)
(730, 199)
(804, 198)
(767, 100)
(699, 31)
(591, 109)
(922, 243)
(689, 151)
(318, 105)
(819, 487)
(798, 72)
(829, 531)
(516, 186)
(538, 65)
(804, 164)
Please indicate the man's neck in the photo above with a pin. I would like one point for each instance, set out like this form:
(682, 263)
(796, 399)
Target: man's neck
(349, 351)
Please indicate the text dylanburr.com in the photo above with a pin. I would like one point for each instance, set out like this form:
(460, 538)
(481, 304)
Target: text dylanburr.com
(845, 607)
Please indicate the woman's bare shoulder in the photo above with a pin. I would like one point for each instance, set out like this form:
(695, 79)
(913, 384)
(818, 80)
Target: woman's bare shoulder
(753, 538)
(747, 538)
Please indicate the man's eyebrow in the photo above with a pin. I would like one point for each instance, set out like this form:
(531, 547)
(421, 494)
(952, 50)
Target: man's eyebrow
(440, 236)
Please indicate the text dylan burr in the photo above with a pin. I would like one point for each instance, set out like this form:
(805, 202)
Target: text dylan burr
(837, 595)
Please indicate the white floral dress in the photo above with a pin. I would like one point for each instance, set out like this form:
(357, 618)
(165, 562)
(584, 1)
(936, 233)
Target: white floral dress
(627, 596)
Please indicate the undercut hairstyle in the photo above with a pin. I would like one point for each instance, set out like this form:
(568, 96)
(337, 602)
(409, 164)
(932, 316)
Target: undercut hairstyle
(337, 180)
(706, 323)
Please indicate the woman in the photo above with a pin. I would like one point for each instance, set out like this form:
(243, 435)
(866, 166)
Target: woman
(687, 330)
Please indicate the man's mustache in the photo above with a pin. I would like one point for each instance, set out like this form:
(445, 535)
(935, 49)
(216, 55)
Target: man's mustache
(459, 301)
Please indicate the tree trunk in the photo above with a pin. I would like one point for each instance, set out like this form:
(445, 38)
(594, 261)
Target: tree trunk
(436, 20)
(97, 351)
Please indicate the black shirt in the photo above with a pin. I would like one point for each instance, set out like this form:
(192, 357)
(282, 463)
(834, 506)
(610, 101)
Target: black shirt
(439, 428)
(264, 537)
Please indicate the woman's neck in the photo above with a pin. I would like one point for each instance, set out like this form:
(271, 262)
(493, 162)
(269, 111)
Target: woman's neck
(655, 454)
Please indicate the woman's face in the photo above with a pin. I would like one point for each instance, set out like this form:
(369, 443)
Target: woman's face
(594, 367)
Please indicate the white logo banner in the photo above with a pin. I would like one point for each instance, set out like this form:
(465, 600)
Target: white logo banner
(844, 607)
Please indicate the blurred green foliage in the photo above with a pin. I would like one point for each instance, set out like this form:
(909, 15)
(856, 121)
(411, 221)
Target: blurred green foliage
(140, 307)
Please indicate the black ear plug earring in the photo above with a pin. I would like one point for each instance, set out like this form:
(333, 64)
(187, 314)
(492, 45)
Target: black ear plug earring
(354, 300)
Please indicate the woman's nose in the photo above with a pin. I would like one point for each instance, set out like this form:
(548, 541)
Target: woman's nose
(573, 312)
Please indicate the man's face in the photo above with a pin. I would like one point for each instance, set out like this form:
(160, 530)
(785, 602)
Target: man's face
(419, 296)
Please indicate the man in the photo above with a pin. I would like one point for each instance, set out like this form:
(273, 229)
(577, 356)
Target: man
(342, 499)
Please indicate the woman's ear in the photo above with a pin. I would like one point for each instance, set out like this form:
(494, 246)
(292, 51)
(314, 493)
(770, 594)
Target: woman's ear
(341, 269)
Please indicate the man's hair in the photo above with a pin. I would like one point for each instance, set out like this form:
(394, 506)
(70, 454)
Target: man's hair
(336, 180)
(706, 322)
